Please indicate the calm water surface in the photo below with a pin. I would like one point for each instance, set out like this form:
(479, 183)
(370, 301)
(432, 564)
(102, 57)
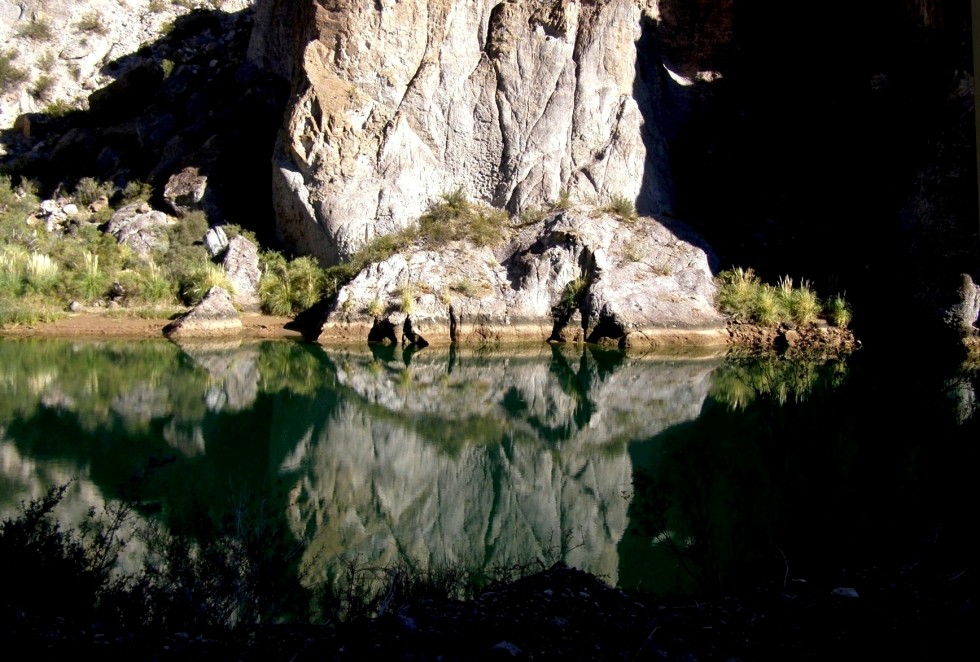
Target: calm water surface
(665, 472)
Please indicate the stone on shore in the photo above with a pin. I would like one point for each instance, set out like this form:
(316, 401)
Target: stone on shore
(215, 316)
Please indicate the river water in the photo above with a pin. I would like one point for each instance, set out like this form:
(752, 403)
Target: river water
(669, 472)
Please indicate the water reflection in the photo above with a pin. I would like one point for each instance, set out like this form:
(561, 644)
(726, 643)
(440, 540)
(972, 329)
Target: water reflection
(465, 456)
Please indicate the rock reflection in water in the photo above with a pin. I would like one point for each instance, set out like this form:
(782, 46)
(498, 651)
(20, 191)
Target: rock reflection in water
(452, 456)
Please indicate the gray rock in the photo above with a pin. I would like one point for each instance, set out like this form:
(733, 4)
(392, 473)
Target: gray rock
(141, 228)
(215, 241)
(215, 316)
(241, 262)
(514, 102)
(185, 191)
(638, 283)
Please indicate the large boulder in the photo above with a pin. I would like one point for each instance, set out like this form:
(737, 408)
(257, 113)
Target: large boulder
(141, 228)
(578, 275)
(185, 191)
(241, 263)
(214, 317)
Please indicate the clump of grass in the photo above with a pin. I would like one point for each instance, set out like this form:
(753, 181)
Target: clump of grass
(10, 74)
(464, 286)
(136, 191)
(737, 293)
(38, 30)
(407, 294)
(46, 61)
(11, 271)
(622, 207)
(564, 201)
(92, 23)
(571, 298)
(153, 285)
(287, 288)
(375, 308)
(745, 298)
(455, 218)
(838, 311)
(805, 306)
(195, 284)
(40, 272)
(58, 108)
(89, 282)
(42, 87)
(89, 189)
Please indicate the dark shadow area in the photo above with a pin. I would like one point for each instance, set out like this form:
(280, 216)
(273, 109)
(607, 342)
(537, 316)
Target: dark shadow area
(188, 100)
(835, 147)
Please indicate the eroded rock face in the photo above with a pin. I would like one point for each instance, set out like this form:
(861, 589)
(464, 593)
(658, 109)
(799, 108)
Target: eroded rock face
(577, 275)
(397, 102)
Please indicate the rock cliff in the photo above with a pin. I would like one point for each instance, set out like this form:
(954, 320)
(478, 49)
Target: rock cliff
(514, 102)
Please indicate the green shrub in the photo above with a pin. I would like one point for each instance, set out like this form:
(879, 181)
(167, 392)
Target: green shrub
(88, 281)
(838, 311)
(136, 191)
(88, 190)
(196, 283)
(621, 206)
(288, 288)
(571, 298)
(41, 273)
(805, 306)
(190, 229)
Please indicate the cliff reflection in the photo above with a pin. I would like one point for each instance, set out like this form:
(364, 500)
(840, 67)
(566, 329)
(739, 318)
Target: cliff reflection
(424, 458)
(482, 459)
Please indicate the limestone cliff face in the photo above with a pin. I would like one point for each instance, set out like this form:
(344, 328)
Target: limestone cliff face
(396, 102)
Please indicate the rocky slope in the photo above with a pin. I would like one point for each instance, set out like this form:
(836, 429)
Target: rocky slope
(66, 48)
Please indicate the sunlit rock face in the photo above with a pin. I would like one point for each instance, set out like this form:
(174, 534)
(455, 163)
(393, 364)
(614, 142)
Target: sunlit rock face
(397, 102)
(624, 280)
(459, 459)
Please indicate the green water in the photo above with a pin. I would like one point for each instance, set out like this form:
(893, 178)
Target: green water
(667, 472)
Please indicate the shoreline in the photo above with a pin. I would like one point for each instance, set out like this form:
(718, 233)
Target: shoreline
(92, 325)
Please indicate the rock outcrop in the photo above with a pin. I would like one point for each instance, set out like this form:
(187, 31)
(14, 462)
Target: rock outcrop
(141, 228)
(576, 275)
(214, 316)
(241, 263)
(397, 102)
